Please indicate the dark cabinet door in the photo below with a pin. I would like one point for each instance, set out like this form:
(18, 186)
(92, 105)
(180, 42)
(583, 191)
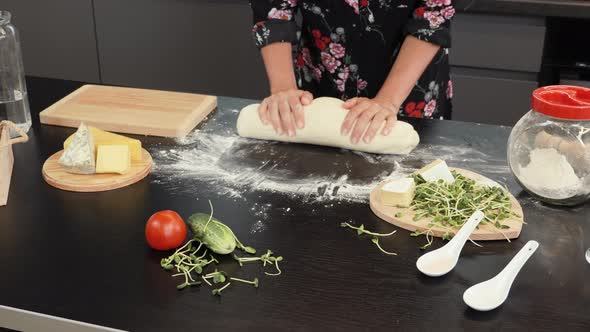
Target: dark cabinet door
(57, 38)
(498, 42)
(490, 97)
(185, 45)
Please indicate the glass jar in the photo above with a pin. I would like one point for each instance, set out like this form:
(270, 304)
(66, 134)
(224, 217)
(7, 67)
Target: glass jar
(14, 104)
(549, 148)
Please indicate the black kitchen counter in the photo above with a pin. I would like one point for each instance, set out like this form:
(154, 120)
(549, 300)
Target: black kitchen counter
(84, 256)
(556, 8)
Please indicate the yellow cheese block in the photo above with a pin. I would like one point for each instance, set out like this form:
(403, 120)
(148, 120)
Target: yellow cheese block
(113, 159)
(398, 192)
(102, 137)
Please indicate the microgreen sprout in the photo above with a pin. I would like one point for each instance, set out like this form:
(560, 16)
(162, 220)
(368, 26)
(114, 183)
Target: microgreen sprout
(206, 281)
(218, 277)
(375, 240)
(253, 282)
(210, 216)
(219, 290)
(429, 237)
(361, 230)
(267, 258)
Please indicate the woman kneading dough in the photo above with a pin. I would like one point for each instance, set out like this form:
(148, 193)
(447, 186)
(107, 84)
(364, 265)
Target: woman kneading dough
(384, 57)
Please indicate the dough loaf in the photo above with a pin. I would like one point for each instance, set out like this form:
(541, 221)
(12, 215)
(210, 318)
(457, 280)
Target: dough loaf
(323, 119)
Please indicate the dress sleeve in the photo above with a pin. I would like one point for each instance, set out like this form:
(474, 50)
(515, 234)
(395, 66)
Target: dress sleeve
(431, 21)
(274, 21)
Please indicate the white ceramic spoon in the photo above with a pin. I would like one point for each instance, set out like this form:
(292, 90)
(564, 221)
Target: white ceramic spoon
(490, 294)
(442, 260)
(588, 255)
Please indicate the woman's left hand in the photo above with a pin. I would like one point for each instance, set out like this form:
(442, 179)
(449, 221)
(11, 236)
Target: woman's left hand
(367, 116)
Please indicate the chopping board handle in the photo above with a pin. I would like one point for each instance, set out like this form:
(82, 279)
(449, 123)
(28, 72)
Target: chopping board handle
(23, 137)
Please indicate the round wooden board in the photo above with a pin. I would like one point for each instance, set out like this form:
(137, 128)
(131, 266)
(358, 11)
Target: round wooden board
(482, 233)
(56, 175)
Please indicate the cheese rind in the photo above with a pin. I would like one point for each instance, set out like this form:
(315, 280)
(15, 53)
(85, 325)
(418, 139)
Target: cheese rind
(435, 171)
(399, 193)
(102, 137)
(78, 157)
(113, 159)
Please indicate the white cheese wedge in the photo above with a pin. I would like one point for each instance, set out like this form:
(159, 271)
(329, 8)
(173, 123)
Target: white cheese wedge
(435, 171)
(398, 192)
(78, 158)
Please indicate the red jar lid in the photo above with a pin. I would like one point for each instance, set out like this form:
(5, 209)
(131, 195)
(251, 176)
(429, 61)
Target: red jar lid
(563, 102)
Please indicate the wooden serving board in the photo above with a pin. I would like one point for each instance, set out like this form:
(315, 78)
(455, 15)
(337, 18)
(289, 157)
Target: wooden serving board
(7, 156)
(482, 233)
(55, 175)
(130, 110)
(6, 164)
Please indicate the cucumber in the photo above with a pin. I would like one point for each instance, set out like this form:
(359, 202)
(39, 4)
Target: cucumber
(214, 234)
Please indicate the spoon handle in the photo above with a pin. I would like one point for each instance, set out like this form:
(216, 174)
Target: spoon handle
(465, 231)
(511, 270)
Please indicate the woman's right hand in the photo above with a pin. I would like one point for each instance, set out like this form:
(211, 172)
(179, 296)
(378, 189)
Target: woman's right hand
(284, 110)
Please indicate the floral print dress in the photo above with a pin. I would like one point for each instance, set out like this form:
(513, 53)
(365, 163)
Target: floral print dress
(346, 48)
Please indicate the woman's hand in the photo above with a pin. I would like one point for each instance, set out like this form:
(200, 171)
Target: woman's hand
(284, 110)
(367, 116)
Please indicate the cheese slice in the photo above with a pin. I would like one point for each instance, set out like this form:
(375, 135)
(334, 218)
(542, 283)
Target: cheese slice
(78, 157)
(435, 171)
(113, 159)
(398, 192)
(102, 137)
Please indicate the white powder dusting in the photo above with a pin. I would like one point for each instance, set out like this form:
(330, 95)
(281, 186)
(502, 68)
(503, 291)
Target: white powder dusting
(550, 175)
(234, 167)
(257, 227)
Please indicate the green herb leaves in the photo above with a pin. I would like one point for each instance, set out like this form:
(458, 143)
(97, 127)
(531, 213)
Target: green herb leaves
(451, 204)
(267, 258)
(211, 234)
(360, 230)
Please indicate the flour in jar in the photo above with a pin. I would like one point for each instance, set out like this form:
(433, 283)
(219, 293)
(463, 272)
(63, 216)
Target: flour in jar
(550, 175)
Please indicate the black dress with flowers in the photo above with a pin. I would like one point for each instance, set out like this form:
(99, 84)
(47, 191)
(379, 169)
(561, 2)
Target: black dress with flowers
(346, 48)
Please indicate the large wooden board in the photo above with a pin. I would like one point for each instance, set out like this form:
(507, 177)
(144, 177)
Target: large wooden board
(130, 110)
(482, 233)
(55, 175)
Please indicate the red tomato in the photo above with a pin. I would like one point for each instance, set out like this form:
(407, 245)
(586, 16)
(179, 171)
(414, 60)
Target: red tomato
(165, 230)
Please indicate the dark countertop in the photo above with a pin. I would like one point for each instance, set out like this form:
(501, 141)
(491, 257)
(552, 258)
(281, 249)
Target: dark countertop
(84, 256)
(556, 8)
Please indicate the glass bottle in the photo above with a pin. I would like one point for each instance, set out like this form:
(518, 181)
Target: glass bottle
(549, 148)
(14, 104)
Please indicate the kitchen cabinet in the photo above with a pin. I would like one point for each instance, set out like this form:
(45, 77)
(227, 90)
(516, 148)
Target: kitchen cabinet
(497, 42)
(194, 46)
(57, 38)
(205, 46)
(495, 64)
(486, 96)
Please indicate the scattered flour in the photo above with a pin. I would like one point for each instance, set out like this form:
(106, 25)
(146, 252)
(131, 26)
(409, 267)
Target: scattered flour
(232, 166)
(550, 175)
(257, 227)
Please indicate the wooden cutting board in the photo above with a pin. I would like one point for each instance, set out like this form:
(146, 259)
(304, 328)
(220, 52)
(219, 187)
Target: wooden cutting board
(55, 175)
(482, 233)
(130, 110)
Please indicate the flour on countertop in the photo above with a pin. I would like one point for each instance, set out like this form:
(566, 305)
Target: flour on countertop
(550, 175)
(210, 158)
(257, 227)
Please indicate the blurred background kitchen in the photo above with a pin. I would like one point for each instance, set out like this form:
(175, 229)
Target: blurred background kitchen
(502, 49)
